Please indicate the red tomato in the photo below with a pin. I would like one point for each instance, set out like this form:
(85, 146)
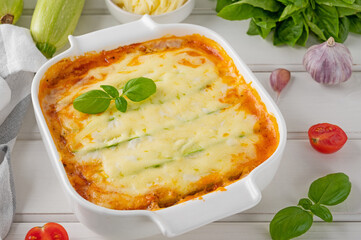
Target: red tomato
(327, 138)
(50, 231)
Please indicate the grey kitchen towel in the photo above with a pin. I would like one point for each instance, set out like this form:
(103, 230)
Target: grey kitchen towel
(19, 60)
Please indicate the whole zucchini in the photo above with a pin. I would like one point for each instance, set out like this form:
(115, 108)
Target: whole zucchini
(10, 11)
(52, 22)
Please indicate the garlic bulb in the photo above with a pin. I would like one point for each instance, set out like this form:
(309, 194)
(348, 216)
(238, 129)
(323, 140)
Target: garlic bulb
(329, 62)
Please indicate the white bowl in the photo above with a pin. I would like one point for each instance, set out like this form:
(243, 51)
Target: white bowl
(175, 16)
(131, 224)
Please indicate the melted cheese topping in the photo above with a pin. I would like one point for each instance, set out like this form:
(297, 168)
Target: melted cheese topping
(203, 127)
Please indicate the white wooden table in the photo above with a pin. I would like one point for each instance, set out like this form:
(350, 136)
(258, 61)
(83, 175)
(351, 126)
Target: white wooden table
(40, 198)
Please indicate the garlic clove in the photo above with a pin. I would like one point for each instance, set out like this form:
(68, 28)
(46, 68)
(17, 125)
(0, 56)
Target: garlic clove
(279, 79)
(328, 62)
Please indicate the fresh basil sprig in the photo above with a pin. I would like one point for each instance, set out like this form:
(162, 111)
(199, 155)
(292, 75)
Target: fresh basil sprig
(293, 21)
(294, 221)
(97, 101)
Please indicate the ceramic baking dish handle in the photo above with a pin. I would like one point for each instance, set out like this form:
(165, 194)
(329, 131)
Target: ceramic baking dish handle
(192, 214)
(113, 37)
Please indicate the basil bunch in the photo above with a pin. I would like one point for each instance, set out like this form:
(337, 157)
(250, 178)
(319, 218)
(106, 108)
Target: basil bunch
(97, 101)
(294, 221)
(293, 20)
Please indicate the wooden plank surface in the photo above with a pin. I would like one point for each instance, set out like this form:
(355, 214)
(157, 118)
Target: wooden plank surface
(214, 231)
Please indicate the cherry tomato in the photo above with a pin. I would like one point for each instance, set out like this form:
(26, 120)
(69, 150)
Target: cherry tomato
(327, 138)
(50, 231)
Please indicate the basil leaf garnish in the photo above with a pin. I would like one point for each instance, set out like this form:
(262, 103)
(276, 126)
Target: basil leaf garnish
(92, 102)
(121, 104)
(305, 203)
(112, 91)
(322, 212)
(97, 101)
(138, 89)
(330, 190)
(289, 223)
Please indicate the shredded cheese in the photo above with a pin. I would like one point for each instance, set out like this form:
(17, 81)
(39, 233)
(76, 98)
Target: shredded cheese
(151, 7)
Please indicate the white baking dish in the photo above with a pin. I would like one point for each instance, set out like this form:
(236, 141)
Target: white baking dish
(177, 219)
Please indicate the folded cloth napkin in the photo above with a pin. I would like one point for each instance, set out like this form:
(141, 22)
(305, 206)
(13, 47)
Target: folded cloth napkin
(19, 59)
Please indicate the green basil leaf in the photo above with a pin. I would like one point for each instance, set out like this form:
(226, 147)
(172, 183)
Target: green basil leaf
(355, 24)
(254, 29)
(316, 30)
(304, 37)
(326, 18)
(267, 23)
(289, 31)
(288, 11)
(344, 30)
(138, 89)
(294, 8)
(285, 2)
(313, 4)
(92, 102)
(222, 3)
(264, 32)
(269, 5)
(112, 91)
(289, 223)
(121, 104)
(330, 190)
(305, 203)
(342, 11)
(322, 212)
(349, 1)
(339, 3)
(241, 11)
(308, 15)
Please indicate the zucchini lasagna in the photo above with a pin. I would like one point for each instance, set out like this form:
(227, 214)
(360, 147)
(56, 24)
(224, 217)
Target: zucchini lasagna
(203, 129)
